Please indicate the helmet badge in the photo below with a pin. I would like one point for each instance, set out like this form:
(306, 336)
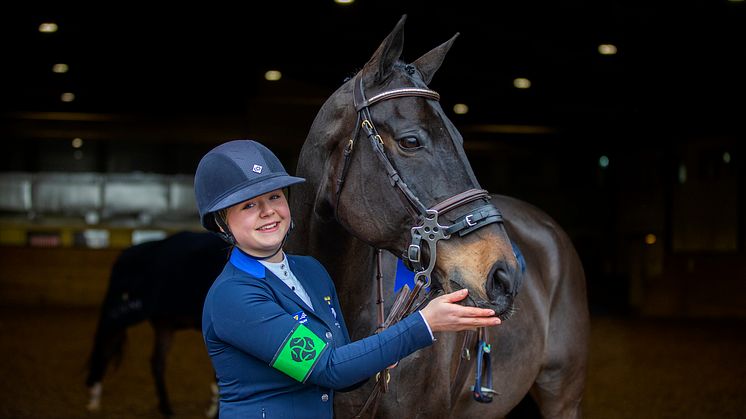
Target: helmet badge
(257, 169)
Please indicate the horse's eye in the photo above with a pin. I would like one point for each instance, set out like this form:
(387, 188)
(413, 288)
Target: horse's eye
(409, 143)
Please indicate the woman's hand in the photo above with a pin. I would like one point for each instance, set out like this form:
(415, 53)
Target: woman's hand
(444, 316)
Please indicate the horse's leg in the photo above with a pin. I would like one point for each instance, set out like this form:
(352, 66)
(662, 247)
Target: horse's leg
(559, 387)
(107, 344)
(163, 341)
(212, 411)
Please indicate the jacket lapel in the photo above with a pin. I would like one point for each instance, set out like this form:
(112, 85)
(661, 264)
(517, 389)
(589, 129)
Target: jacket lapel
(313, 288)
(315, 293)
(279, 286)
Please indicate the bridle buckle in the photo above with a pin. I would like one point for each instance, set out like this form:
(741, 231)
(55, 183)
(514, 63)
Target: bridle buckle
(413, 253)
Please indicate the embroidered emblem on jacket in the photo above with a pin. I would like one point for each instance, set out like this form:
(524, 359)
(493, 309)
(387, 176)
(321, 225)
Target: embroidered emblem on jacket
(300, 317)
(328, 300)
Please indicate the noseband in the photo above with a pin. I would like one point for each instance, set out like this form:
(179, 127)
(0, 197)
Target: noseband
(427, 227)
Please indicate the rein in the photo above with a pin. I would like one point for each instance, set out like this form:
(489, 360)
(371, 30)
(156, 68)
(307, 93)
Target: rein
(427, 227)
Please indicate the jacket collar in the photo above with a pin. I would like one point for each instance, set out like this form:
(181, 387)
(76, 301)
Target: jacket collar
(251, 266)
(246, 263)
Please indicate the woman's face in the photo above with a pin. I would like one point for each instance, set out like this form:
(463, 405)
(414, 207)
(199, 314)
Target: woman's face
(259, 224)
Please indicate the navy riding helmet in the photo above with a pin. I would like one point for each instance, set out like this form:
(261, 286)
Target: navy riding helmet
(234, 172)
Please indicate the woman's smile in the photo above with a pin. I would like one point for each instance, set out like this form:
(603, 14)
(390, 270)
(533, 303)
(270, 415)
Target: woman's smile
(269, 228)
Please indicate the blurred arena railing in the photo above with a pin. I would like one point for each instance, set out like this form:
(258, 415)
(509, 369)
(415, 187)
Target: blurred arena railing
(51, 209)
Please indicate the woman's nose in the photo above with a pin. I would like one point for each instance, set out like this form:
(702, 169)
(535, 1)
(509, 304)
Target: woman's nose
(266, 209)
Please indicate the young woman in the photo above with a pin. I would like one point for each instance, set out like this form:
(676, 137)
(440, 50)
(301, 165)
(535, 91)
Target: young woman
(272, 322)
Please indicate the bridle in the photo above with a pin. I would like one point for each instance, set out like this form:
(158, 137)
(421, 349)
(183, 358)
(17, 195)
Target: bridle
(427, 227)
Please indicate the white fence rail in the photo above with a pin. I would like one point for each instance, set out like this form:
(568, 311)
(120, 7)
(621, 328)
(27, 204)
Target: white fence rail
(98, 197)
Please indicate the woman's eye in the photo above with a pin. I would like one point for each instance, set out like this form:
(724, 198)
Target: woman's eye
(274, 197)
(249, 205)
(409, 143)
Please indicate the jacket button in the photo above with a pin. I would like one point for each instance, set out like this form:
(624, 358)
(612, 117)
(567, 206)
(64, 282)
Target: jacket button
(324, 397)
(328, 336)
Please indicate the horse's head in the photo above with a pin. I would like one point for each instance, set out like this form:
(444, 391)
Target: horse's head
(392, 156)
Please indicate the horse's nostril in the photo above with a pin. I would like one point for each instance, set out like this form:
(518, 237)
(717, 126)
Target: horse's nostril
(500, 283)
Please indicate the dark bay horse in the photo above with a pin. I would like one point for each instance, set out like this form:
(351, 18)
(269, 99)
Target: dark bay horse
(379, 151)
(164, 282)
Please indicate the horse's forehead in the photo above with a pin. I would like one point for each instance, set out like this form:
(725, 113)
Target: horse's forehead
(399, 78)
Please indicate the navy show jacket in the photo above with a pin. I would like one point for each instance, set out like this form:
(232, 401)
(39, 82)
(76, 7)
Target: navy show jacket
(275, 357)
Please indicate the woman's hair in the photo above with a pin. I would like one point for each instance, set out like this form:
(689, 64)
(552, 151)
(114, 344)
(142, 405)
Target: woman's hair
(223, 215)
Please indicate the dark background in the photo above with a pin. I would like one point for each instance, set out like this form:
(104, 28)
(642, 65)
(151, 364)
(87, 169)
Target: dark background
(660, 229)
(156, 88)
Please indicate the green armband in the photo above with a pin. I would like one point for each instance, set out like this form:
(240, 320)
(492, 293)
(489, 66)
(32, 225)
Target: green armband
(299, 353)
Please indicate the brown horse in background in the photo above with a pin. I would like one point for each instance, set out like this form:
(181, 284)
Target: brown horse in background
(541, 347)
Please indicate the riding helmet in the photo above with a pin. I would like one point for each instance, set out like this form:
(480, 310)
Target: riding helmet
(234, 172)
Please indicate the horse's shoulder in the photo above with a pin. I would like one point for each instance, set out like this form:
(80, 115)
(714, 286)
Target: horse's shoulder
(522, 213)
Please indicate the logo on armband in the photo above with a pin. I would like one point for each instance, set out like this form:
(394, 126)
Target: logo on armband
(299, 353)
(301, 349)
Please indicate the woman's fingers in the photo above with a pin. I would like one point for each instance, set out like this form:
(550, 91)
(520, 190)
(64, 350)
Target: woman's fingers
(463, 311)
(455, 296)
(442, 314)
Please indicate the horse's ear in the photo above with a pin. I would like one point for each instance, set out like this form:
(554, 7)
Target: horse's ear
(430, 62)
(382, 61)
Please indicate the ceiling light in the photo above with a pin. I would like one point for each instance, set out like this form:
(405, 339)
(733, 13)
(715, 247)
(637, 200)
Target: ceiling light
(344, 1)
(603, 161)
(682, 174)
(77, 142)
(48, 27)
(726, 157)
(522, 83)
(60, 68)
(650, 239)
(67, 97)
(272, 75)
(460, 108)
(607, 49)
